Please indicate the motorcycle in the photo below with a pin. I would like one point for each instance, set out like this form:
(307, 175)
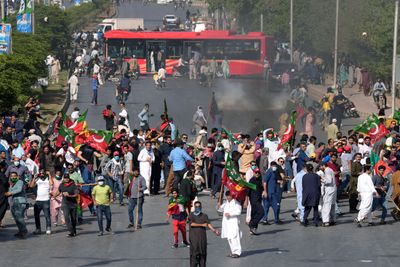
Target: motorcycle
(379, 99)
(350, 110)
(159, 82)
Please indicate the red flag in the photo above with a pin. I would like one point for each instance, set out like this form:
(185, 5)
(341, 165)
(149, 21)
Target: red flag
(377, 132)
(97, 142)
(84, 200)
(78, 127)
(288, 134)
(237, 192)
(382, 163)
(67, 120)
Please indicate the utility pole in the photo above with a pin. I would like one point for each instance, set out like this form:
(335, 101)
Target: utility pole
(336, 45)
(33, 17)
(291, 30)
(3, 12)
(396, 20)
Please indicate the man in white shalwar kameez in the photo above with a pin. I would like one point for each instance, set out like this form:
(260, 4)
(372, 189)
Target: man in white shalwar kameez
(231, 210)
(146, 159)
(73, 87)
(366, 190)
(328, 196)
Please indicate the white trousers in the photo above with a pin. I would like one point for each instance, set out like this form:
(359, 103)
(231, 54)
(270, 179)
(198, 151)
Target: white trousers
(234, 244)
(328, 208)
(365, 207)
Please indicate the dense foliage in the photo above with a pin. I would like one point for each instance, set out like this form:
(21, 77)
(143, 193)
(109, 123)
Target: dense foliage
(19, 71)
(314, 26)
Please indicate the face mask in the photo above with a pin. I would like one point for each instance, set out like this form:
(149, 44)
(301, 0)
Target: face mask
(197, 211)
(43, 177)
(16, 163)
(220, 148)
(58, 177)
(261, 139)
(101, 183)
(14, 180)
(274, 168)
(153, 146)
(116, 158)
(253, 167)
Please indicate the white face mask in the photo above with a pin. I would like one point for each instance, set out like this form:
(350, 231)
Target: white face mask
(274, 169)
(101, 182)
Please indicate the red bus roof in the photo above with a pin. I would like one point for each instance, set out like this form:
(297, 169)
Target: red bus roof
(118, 34)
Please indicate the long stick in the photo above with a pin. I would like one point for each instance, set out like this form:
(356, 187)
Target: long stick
(137, 208)
(221, 192)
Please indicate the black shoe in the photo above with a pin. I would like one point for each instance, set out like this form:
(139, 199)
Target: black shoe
(253, 231)
(37, 232)
(279, 222)
(316, 224)
(139, 226)
(359, 225)
(382, 222)
(265, 223)
(20, 235)
(121, 204)
(235, 256)
(186, 244)
(305, 224)
(174, 246)
(100, 234)
(332, 223)
(108, 230)
(370, 224)
(130, 226)
(71, 235)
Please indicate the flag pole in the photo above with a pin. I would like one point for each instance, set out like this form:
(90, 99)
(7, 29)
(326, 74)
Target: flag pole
(221, 192)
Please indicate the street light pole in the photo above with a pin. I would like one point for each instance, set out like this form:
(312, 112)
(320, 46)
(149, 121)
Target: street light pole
(336, 45)
(396, 17)
(291, 30)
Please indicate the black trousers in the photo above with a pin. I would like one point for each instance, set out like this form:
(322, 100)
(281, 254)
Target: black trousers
(155, 180)
(257, 212)
(178, 176)
(353, 202)
(307, 210)
(3, 208)
(198, 260)
(70, 218)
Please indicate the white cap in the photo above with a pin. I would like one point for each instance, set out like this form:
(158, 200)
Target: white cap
(361, 140)
(334, 120)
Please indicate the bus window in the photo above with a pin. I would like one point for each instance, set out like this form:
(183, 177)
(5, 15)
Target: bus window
(115, 48)
(174, 49)
(233, 49)
(134, 47)
(214, 49)
(192, 48)
(251, 50)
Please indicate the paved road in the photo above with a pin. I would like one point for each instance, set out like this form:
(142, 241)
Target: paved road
(285, 245)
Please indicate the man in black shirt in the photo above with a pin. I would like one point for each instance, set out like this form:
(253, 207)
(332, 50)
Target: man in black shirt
(255, 196)
(69, 190)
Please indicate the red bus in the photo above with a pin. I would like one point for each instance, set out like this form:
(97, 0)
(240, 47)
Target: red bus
(245, 53)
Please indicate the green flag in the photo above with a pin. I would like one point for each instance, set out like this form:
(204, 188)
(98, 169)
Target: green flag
(367, 124)
(82, 117)
(230, 136)
(234, 176)
(107, 135)
(396, 115)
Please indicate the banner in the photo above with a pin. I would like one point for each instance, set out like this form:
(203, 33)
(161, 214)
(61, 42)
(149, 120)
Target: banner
(5, 39)
(24, 16)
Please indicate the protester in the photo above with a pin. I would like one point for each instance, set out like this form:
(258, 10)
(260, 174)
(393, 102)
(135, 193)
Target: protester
(198, 222)
(231, 210)
(135, 195)
(366, 189)
(255, 198)
(102, 197)
(176, 209)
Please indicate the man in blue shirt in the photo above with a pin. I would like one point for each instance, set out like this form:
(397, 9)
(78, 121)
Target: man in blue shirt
(95, 86)
(272, 193)
(178, 157)
(301, 157)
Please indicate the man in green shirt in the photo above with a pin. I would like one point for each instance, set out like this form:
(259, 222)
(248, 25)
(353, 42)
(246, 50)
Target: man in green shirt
(102, 197)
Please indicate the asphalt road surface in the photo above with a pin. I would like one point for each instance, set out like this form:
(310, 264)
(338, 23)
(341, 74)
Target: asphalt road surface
(278, 245)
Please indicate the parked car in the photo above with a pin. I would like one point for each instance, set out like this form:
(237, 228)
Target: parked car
(278, 69)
